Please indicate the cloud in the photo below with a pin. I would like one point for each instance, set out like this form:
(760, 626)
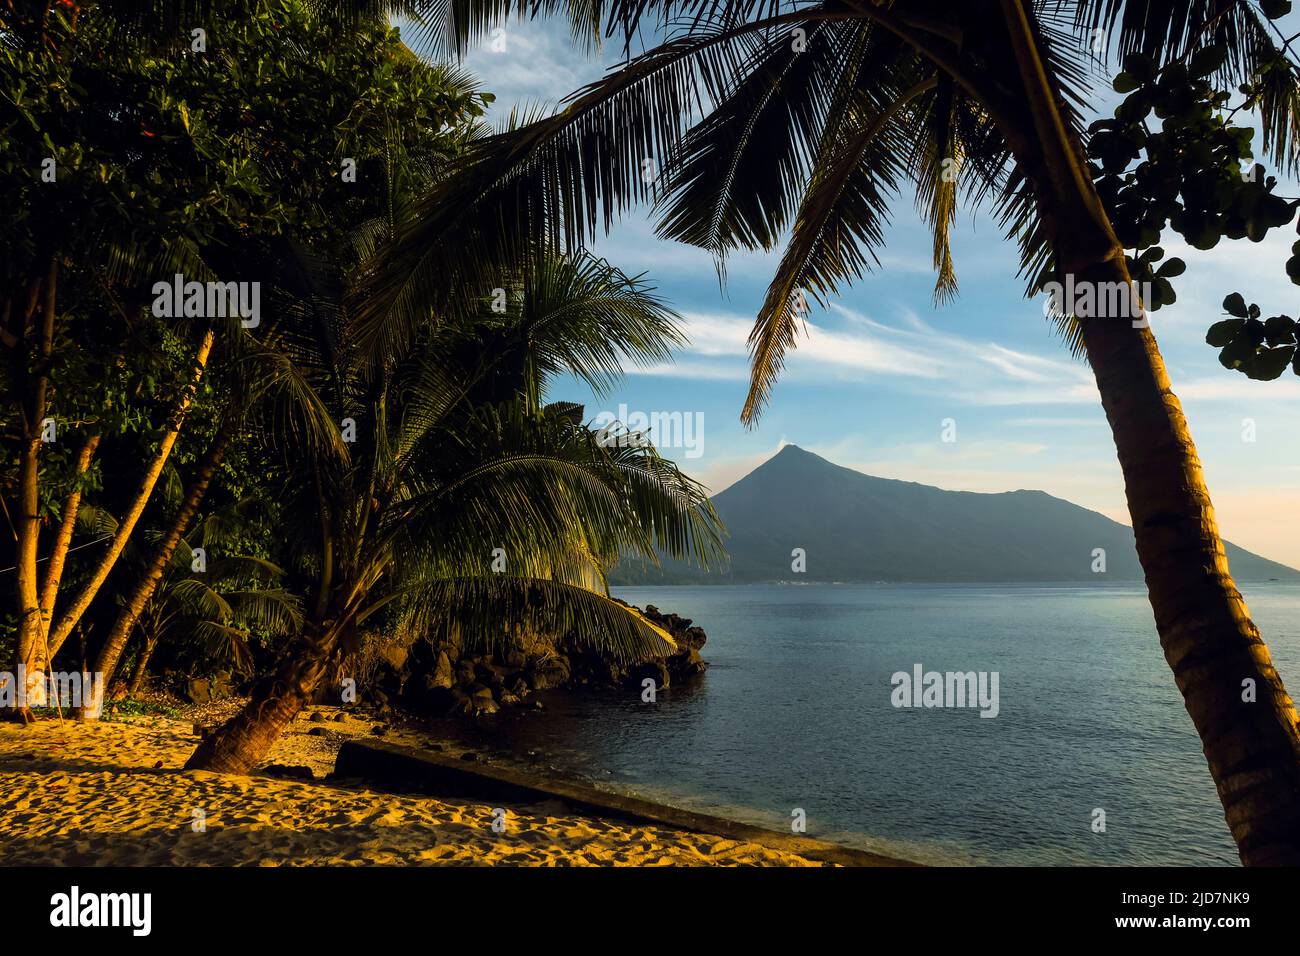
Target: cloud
(864, 350)
(531, 63)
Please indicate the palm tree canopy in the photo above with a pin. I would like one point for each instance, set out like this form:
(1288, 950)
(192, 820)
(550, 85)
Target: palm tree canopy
(798, 122)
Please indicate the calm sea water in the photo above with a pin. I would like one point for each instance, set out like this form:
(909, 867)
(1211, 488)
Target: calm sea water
(795, 712)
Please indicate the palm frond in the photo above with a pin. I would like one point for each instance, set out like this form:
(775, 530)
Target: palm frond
(491, 609)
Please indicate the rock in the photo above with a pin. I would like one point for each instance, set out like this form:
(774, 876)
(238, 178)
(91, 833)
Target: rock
(483, 701)
(317, 732)
(395, 655)
(430, 745)
(317, 717)
(198, 690)
(198, 731)
(203, 690)
(423, 694)
(443, 675)
(441, 680)
(693, 637)
(489, 675)
(379, 731)
(549, 673)
(340, 717)
(656, 671)
(469, 755)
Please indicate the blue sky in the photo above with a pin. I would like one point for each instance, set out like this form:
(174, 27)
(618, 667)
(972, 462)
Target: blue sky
(882, 367)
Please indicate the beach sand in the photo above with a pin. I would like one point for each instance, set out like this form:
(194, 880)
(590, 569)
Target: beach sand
(113, 793)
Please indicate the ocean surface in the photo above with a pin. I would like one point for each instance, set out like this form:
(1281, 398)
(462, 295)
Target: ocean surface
(795, 714)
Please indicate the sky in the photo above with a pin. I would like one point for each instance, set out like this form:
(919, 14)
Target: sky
(883, 376)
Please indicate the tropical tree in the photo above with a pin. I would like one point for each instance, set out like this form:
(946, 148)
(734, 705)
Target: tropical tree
(805, 118)
(462, 497)
(219, 606)
(133, 152)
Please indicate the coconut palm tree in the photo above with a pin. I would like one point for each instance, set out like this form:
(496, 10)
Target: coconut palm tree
(799, 122)
(209, 593)
(453, 466)
(77, 265)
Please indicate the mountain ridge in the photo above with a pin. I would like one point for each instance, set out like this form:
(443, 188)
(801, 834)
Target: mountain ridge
(859, 528)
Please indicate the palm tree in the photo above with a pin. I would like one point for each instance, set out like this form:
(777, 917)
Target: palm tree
(805, 118)
(255, 380)
(452, 460)
(100, 250)
(221, 609)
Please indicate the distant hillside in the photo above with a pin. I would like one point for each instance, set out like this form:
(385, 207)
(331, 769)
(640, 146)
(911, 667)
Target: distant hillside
(854, 527)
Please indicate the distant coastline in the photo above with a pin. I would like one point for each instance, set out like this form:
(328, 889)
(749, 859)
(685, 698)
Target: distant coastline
(800, 518)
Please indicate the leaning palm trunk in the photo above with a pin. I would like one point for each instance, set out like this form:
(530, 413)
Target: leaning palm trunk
(1248, 725)
(140, 498)
(111, 652)
(142, 665)
(1247, 722)
(67, 527)
(244, 741)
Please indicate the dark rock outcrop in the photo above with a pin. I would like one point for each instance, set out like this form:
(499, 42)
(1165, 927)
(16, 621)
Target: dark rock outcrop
(440, 679)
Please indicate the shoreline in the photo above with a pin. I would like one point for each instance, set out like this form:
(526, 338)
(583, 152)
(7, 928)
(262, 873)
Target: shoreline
(112, 793)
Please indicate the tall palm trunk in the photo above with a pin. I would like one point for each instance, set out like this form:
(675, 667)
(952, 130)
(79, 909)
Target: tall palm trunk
(245, 740)
(140, 498)
(111, 652)
(67, 526)
(1248, 725)
(31, 630)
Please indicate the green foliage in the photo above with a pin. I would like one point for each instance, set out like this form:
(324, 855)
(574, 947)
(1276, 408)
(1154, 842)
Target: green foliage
(1196, 176)
(456, 459)
(228, 164)
(1259, 349)
(118, 709)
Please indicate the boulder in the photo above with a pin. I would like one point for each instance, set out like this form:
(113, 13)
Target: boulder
(656, 671)
(443, 674)
(440, 680)
(395, 655)
(490, 674)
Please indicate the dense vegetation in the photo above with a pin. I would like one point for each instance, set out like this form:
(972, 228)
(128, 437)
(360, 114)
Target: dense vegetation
(208, 487)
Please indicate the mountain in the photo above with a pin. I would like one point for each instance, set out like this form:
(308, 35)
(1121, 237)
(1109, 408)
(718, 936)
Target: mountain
(855, 527)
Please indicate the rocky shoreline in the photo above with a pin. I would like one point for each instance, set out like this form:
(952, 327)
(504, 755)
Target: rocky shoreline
(441, 679)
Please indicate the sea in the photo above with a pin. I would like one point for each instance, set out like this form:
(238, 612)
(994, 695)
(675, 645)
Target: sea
(801, 720)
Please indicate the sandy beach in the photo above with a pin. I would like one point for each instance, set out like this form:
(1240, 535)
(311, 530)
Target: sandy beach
(113, 793)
